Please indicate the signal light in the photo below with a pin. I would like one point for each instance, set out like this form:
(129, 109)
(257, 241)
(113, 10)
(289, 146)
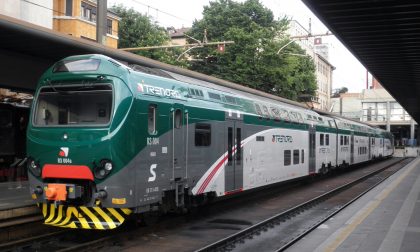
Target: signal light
(221, 48)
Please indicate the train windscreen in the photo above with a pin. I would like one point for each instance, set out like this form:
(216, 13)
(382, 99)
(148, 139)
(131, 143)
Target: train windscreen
(73, 106)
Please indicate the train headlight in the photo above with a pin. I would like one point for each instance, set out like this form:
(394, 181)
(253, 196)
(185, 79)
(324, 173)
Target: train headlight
(104, 169)
(34, 167)
(108, 166)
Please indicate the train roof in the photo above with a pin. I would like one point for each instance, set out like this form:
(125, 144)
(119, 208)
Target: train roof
(232, 96)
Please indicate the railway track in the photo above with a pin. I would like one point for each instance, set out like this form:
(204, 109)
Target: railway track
(187, 233)
(298, 221)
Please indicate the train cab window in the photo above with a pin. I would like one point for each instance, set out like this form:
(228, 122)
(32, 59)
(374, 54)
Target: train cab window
(287, 157)
(295, 156)
(327, 139)
(321, 139)
(303, 156)
(74, 105)
(341, 140)
(202, 134)
(151, 119)
(178, 119)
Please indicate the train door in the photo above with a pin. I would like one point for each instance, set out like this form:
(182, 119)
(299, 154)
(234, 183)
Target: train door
(312, 151)
(178, 142)
(234, 166)
(352, 148)
(370, 146)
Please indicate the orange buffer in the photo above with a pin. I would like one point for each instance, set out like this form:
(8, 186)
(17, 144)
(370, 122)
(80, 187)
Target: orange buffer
(56, 192)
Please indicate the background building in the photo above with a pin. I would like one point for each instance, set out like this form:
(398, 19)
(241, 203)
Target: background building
(377, 107)
(324, 69)
(39, 12)
(78, 18)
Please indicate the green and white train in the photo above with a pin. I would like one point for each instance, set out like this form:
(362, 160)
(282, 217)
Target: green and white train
(106, 140)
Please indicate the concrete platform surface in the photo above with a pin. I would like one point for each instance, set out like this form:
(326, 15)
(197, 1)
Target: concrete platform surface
(385, 219)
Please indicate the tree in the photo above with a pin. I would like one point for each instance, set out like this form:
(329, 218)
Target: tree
(138, 30)
(253, 60)
(338, 91)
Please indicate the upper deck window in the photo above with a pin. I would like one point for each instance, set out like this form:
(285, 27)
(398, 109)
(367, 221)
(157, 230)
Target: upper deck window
(73, 105)
(81, 65)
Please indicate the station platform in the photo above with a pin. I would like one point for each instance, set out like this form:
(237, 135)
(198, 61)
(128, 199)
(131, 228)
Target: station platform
(15, 195)
(387, 218)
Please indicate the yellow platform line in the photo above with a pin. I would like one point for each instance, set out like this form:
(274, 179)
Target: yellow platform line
(345, 233)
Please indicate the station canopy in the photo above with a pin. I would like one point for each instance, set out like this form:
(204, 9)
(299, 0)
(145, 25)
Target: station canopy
(385, 36)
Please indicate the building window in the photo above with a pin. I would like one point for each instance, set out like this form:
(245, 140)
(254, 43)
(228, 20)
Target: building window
(69, 8)
(88, 12)
(109, 26)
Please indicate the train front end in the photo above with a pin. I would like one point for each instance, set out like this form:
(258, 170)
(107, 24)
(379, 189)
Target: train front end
(77, 144)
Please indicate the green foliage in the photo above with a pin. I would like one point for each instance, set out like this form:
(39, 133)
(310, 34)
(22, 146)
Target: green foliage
(138, 30)
(253, 60)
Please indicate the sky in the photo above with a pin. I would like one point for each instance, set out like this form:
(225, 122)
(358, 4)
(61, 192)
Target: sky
(181, 13)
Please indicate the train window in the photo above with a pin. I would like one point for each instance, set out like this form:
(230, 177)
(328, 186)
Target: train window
(260, 138)
(81, 65)
(287, 157)
(230, 99)
(275, 112)
(238, 146)
(151, 119)
(215, 96)
(341, 140)
(265, 112)
(230, 145)
(300, 118)
(295, 156)
(321, 139)
(178, 119)
(284, 114)
(258, 109)
(5, 119)
(327, 139)
(74, 105)
(202, 134)
(303, 156)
